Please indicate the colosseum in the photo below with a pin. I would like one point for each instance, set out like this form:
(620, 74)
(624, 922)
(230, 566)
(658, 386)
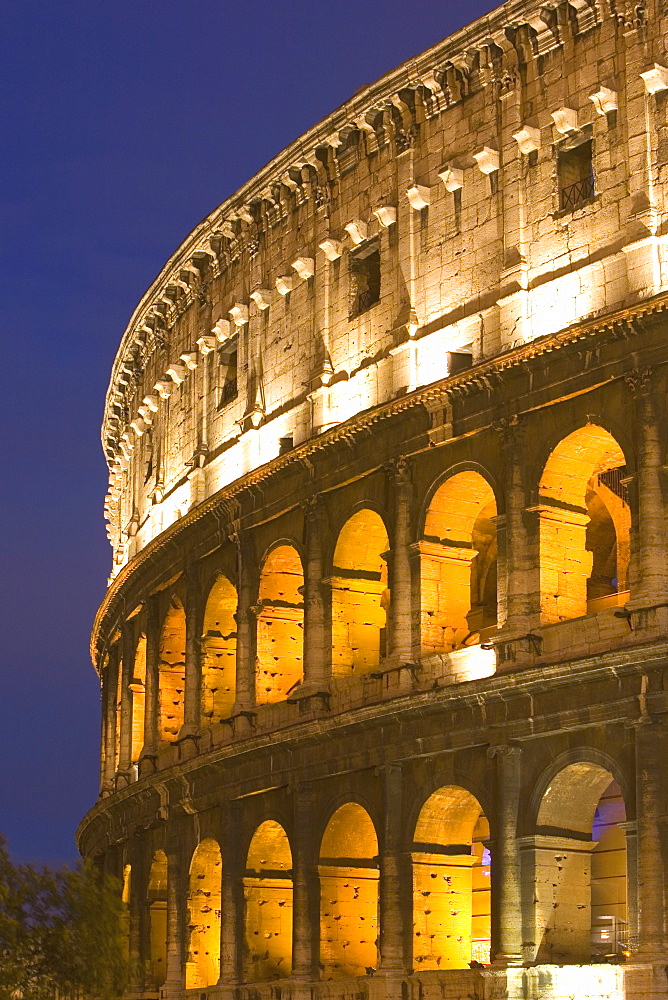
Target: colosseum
(383, 653)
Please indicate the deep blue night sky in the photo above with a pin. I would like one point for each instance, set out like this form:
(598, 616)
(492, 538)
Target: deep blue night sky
(124, 122)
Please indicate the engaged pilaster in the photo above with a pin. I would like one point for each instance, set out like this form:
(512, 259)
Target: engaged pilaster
(246, 631)
(109, 695)
(391, 897)
(193, 673)
(507, 911)
(305, 890)
(152, 685)
(317, 612)
(401, 609)
(127, 670)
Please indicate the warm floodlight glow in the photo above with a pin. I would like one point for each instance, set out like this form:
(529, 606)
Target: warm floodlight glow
(268, 904)
(348, 872)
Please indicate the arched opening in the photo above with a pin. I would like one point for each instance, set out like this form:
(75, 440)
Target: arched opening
(580, 868)
(348, 894)
(458, 565)
(157, 911)
(585, 526)
(172, 673)
(219, 652)
(203, 964)
(268, 899)
(125, 912)
(280, 625)
(451, 882)
(138, 690)
(360, 595)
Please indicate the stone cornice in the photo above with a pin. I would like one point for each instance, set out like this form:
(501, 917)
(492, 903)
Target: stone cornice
(625, 321)
(505, 687)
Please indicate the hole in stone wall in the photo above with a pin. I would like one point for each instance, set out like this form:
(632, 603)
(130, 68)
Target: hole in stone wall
(458, 565)
(580, 868)
(137, 688)
(219, 652)
(157, 912)
(125, 912)
(451, 882)
(360, 595)
(585, 526)
(203, 962)
(348, 894)
(280, 625)
(268, 904)
(172, 673)
(364, 277)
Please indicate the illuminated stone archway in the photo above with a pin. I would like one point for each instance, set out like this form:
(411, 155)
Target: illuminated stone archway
(585, 525)
(280, 625)
(138, 690)
(219, 651)
(451, 882)
(458, 564)
(172, 673)
(125, 912)
(268, 904)
(157, 915)
(360, 595)
(348, 894)
(203, 963)
(580, 868)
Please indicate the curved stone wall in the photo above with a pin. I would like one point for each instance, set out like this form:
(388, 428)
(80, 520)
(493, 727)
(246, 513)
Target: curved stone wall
(383, 656)
(490, 191)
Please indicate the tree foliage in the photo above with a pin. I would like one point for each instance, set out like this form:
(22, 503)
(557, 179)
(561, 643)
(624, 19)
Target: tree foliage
(61, 933)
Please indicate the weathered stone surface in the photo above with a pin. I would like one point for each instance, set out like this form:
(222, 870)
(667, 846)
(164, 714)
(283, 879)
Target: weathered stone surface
(385, 645)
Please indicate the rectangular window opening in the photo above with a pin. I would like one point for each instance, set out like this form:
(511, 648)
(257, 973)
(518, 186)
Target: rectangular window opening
(364, 274)
(227, 366)
(575, 174)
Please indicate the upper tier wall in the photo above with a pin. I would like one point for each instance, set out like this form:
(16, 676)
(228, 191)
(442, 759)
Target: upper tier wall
(502, 186)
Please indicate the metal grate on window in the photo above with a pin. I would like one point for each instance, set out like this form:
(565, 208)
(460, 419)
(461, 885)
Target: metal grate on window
(577, 194)
(614, 480)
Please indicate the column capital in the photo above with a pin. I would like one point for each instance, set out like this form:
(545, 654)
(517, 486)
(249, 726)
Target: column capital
(399, 471)
(510, 430)
(503, 750)
(313, 507)
(640, 381)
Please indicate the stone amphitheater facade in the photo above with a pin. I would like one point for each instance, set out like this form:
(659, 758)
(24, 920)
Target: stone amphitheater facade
(384, 649)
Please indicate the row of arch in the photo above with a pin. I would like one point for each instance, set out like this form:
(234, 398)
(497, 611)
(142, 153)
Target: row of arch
(584, 542)
(577, 871)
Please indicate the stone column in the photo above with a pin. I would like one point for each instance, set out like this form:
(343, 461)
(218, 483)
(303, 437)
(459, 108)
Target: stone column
(650, 873)
(174, 979)
(650, 583)
(127, 671)
(305, 889)
(317, 634)
(390, 893)
(152, 685)
(513, 304)
(506, 898)
(193, 672)
(109, 689)
(246, 627)
(401, 610)
(231, 921)
(521, 550)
